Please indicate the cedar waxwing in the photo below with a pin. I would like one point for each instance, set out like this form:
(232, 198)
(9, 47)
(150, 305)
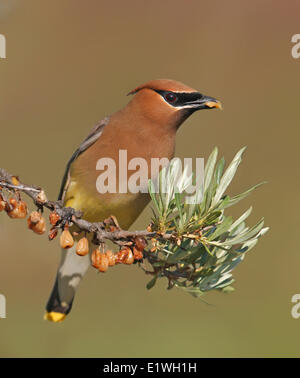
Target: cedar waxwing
(146, 128)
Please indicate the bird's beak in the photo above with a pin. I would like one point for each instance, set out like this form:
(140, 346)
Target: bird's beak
(211, 102)
(205, 102)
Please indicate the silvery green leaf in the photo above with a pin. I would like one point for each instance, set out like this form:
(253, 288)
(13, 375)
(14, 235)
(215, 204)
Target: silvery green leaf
(195, 254)
(225, 283)
(222, 204)
(228, 176)
(221, 228)
(219, 170)
(212, 217)
(234, 200)
(184, 180)
(212, 283)
(208, 198)
(220, 254)
(225, 242)
(151, 283)
(240, 219)
(178, 255)
(262, 232)
(180, 210)
(209, 168)
(212, 276)
(194, 200)
(152, 194)
(172, 180)
(239, 229)
(231, 264)
(247, 246)
(246, 235)
(168, 180)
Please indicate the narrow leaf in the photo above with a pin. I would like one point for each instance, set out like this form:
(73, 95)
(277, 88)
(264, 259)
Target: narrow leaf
(209, 168)
(228, 175)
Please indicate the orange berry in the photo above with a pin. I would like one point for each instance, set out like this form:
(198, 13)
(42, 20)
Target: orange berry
(52, 233)
(34, 218)
(103, 263)
(13, 202)
(82, 248)
(138, 255)
(66, 239)
(23, 209)
(129, 259)
(40, 228)
(140, 243)
(54, 218)
(36, 223)
(111, 258)
(122, 254)
(19, 209)
(2, 205)
(96, 258)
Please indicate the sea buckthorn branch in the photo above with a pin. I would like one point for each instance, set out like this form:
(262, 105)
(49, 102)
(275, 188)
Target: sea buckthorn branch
(132, 243)
(66, 215)
(195, 247)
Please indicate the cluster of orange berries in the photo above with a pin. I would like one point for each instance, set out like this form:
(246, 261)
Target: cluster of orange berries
(36, 222)
(103, 260)
(17, 209)
(14, 208)
(126, 255)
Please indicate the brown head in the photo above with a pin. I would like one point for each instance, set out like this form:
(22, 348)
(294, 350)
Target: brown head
(169, 102)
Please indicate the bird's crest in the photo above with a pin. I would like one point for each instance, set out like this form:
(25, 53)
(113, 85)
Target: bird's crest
(163, 85)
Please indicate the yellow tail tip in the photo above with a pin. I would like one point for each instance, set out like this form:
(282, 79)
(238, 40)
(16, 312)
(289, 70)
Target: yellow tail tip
(54, 316)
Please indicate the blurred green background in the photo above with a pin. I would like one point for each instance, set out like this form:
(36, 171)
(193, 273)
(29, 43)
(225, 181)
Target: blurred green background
(70, 63)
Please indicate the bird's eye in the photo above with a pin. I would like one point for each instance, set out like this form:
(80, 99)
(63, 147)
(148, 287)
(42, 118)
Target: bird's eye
(170, 97)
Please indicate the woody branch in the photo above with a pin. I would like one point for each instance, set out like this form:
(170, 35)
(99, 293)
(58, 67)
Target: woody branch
(108, 229)
(64, 217)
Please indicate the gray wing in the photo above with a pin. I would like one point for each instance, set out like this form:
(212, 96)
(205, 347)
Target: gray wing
(93, 136)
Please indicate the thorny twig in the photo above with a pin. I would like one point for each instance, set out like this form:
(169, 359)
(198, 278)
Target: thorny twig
(101, 231)
(71, 216)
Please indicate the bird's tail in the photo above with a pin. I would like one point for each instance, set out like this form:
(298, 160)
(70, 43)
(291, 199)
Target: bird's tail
(70, 272)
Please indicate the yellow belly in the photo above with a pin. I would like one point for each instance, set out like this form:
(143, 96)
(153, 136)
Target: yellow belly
(97, 207)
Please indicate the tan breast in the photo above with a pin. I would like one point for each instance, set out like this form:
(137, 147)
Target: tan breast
(140, 139)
